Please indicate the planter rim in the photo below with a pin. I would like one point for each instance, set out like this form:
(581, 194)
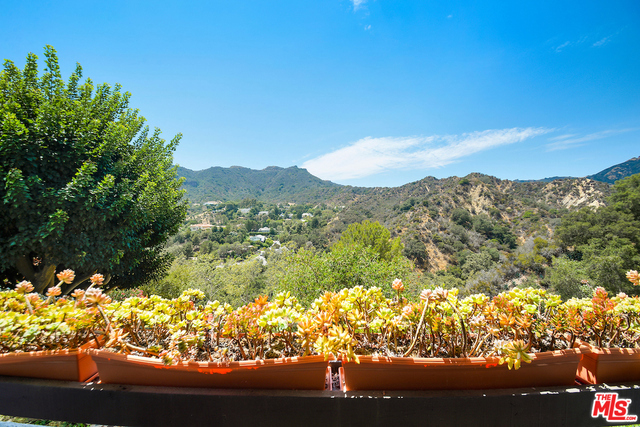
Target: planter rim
(546, 355)
(589, 348)
(104, 354)
(27, 354)
(59, 352)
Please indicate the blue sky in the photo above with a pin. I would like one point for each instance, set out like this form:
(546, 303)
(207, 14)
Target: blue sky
(362, 92)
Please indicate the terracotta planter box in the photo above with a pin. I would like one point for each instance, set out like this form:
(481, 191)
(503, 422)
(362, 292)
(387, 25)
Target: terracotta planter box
(65, 365)
(552, 368)
(294, 373)
(609, 365)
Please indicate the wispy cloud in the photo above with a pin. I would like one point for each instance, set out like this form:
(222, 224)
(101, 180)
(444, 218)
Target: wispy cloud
(603, 41)
(563, 137)
(562, 46)
(357, 4)
(564, 142)
(586, 40)
(367, 27)
(371, 156)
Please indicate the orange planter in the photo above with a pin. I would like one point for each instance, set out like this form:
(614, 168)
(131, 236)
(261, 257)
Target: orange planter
(609, 365)
(294, 373)
(552, 368)
(65, 365)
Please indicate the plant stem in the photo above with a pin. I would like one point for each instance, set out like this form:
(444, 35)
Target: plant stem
(424, 310)
(464, 329)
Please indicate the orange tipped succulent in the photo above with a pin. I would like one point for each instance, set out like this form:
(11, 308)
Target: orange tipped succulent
(97, 279)
(66, 276)
(427, 295)
(24, 287)
(54, 291)
(96, 297)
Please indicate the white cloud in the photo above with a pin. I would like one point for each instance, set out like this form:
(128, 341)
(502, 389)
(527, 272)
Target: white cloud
(603, 41)
(371, 156)
(565, 142)
(561, 137)
(358, 3)
(367, 27)
(582, 40)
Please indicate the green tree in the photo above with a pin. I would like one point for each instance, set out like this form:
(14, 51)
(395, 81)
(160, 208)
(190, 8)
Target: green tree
(607, 240)
(206, 247)
(568, 278)
(503, 235)
(476, 262)
(83, 183)
(483, 225)
(187, 249)
(231, 282)
(309, 273)
(462, 217)
(416, 250)
(371, 235)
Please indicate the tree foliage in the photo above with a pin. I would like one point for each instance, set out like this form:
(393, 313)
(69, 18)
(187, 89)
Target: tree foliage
(84, 184)
(568, 279)
(607, 241)
(462, 217)
(310, 273)
(371, 235)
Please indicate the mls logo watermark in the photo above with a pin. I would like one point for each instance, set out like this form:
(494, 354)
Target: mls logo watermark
(611, 408)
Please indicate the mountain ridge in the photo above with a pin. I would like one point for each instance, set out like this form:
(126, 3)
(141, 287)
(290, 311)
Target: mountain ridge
(238, 182)
(293, 184)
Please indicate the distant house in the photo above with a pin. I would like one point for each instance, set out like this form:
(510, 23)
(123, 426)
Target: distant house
(307, 215)
(196, 227)
(264, 230)
(244, 211)
(257, 238)
(265, 213)
(212, 203)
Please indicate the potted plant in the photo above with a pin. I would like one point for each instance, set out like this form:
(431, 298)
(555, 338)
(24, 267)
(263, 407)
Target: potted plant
(47, 337)
(177, 342)
(443, 342)
(610, 336)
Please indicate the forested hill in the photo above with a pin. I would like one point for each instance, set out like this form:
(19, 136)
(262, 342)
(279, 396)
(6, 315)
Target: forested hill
(272, 184)
(610, 175)
(622, 170)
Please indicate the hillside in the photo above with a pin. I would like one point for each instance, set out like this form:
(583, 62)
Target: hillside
(426, 210)
(272, 184)
(616, 172)
(426, 214)
(436, 219)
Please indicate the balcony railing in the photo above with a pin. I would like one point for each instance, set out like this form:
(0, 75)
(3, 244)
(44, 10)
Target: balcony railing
(125, 405)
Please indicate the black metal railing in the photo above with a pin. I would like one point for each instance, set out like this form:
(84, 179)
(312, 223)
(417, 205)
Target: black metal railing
(125, 405)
